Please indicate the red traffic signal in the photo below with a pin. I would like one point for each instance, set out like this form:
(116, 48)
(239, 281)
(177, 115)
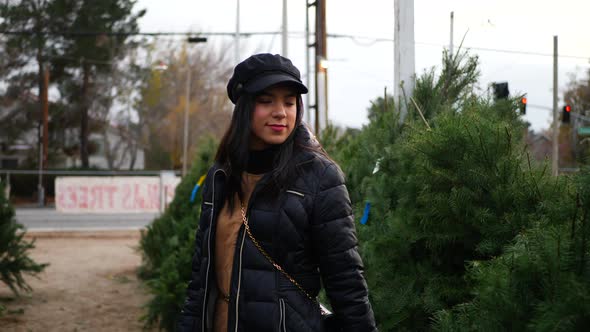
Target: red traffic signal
(523, 102)
(565, 114)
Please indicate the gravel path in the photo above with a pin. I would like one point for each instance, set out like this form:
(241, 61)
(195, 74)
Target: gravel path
(90, 285)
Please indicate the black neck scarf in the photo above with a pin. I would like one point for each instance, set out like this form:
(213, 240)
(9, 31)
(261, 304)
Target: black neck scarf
(262, 161)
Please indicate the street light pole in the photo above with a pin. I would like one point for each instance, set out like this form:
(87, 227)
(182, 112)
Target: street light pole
(188, 101)
(237, 36)
(285, 32)
(186, 109)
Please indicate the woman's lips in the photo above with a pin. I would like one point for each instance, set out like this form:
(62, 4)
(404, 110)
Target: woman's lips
(277, 127)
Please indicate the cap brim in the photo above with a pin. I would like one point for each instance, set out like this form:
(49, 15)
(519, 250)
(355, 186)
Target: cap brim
(262, 83)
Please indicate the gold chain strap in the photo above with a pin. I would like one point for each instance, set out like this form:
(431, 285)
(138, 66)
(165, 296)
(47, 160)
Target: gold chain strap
(277, 266)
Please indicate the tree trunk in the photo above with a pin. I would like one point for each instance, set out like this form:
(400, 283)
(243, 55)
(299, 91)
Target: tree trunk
(133, 155)
(40, 99)
(107, 148)
(84, 116)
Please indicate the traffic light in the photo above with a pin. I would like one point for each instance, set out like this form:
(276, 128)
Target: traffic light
(500, 90)
(523, 102)
(565, 114)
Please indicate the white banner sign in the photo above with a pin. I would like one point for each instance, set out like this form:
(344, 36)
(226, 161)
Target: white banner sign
(114, 194)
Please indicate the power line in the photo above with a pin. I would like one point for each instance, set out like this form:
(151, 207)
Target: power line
(356, 39)
(373, 40)
(524, 52)
(131, 33)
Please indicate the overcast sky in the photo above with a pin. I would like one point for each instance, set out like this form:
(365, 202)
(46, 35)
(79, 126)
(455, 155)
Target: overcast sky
(360, 69)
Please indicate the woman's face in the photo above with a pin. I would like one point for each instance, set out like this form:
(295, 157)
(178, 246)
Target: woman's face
(274, 116)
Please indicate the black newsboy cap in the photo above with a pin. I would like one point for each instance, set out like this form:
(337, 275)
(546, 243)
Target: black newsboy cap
(261, 71)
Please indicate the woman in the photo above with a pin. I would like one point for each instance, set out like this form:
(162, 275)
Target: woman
(272, 175)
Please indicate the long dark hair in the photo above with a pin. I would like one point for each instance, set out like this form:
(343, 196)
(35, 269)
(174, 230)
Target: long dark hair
(233, 151)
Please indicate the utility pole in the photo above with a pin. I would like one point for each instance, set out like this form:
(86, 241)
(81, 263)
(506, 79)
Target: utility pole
(45, 101)
(404, 54)
(237, 37)
(452, 28)
(321, 75)
(45, 133)
(307, 69)
(285, 32)
(186, 110)
(576, 123)
(555, 154)
(188, 102)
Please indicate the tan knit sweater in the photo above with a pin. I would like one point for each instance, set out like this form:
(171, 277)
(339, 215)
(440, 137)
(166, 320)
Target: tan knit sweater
(228, 226)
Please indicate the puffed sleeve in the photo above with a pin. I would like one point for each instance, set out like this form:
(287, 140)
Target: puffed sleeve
(190, 318)
(335, 243)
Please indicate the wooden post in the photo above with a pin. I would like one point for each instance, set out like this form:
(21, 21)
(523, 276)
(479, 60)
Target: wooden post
(45, 101)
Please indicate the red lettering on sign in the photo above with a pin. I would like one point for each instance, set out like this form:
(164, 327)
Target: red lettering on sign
(154, 196)
(110, 190)
(137, 201)
(127, 200)
(60, 199)
(108, 194)
(95, 197)
(83, 197)
(73, 198)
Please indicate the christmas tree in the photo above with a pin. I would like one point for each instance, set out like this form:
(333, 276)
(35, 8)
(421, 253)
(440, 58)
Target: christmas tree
(15, 261)
(168, 244)
(461, 222)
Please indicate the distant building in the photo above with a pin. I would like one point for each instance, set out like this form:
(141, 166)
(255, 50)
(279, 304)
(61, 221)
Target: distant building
(111, 148)
(15, 112)
(124, 153)
(539, 145)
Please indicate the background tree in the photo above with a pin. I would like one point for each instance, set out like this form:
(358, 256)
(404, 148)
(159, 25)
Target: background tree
(34, 40)
(577, 95)
(87, 57)
(61, 35)
(161, 104)
(34, 36)
(578, 92)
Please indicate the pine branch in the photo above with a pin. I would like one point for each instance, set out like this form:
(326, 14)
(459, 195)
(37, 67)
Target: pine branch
(584, 240)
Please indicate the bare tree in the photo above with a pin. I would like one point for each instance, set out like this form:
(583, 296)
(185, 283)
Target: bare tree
(161, 104)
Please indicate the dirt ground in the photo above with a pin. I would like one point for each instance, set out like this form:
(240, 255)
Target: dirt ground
(91, 285)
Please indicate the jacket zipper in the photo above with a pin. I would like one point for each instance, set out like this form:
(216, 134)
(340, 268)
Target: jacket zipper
(209, 253)
(282, 316)
(239, 277)
(252, 196)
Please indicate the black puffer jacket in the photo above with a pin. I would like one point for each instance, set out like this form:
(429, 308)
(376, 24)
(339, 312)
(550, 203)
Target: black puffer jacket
(309, 231)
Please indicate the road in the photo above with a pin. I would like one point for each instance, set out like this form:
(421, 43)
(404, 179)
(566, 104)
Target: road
(48, 219)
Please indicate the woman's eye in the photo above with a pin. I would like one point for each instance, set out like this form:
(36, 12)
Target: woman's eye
(264, 101)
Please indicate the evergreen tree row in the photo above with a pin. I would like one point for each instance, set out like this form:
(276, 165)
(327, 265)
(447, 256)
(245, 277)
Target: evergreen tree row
(168, 243)
(465, 232)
